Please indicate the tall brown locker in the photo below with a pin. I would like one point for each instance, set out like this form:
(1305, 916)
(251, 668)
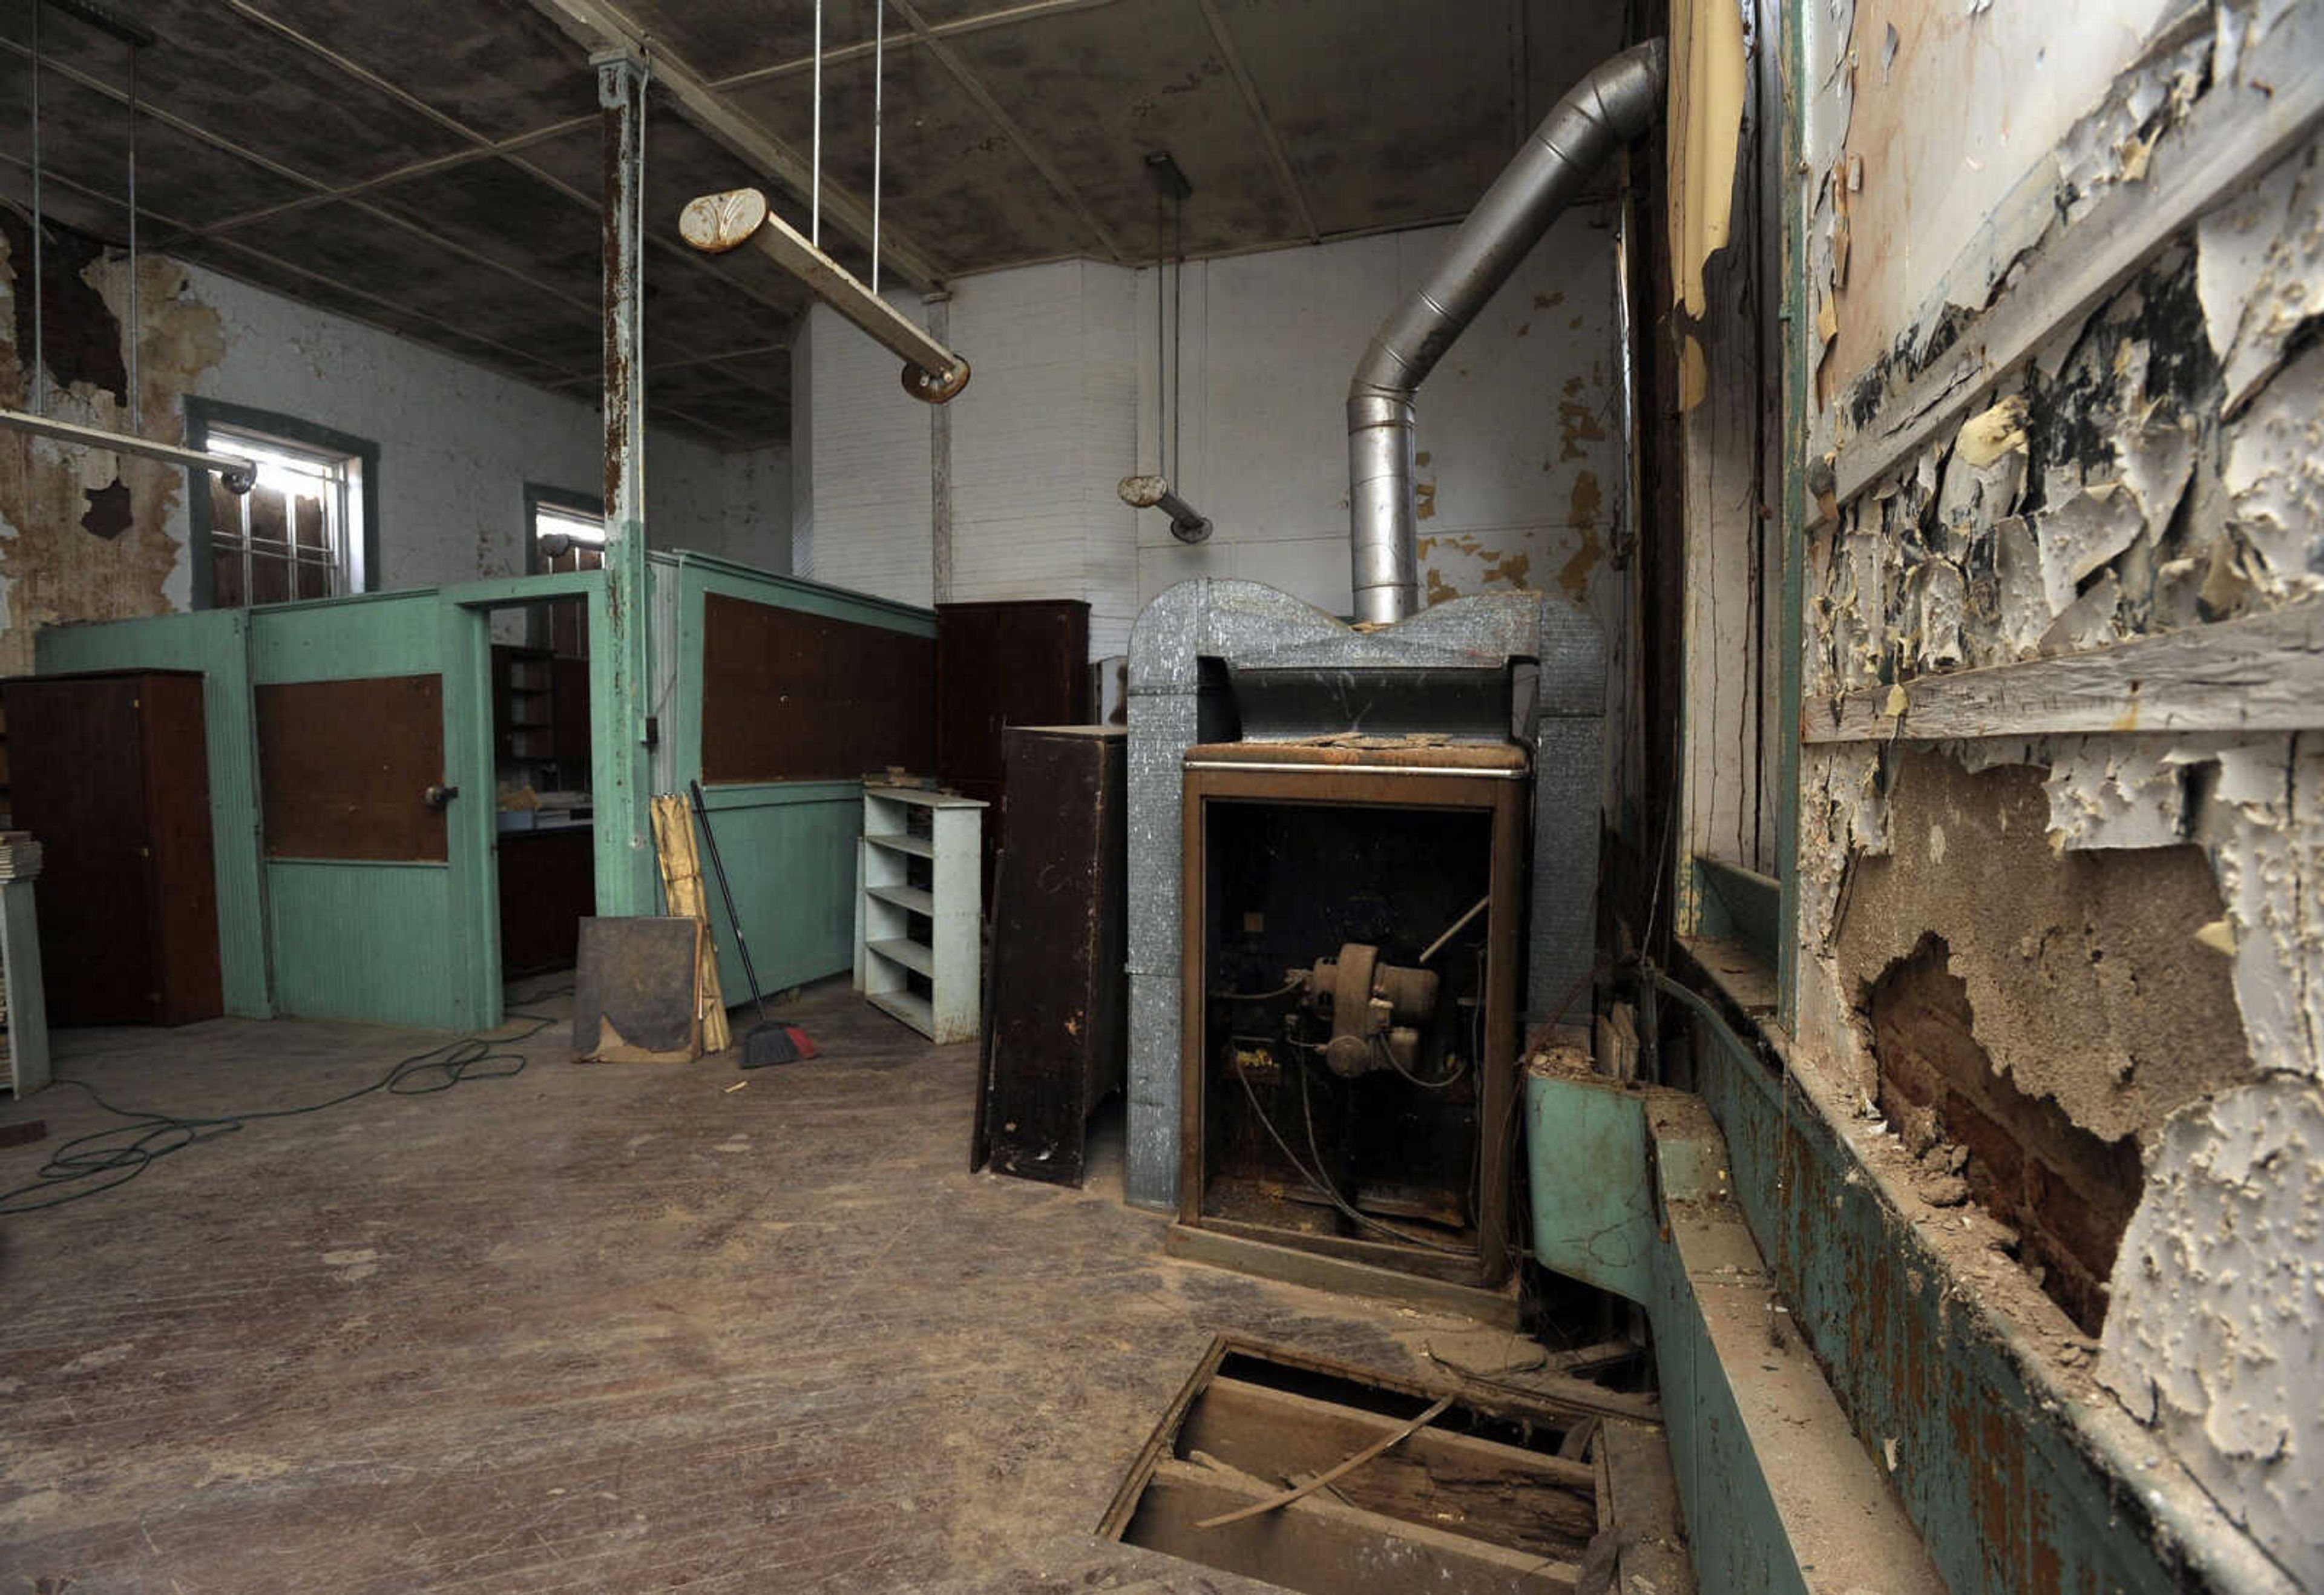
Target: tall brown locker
(110, 770)
(1018, 663)
(1057, 1040)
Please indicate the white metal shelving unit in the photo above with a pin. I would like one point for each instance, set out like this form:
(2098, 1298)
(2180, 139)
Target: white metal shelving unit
(933, 931)
(23, 1013)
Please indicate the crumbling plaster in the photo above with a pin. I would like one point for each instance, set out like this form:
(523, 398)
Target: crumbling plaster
(457, 443)
(2156, 464)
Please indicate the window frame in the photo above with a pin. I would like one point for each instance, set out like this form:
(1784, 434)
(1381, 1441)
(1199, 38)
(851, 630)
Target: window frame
(202, 414)
(539, 627)
(539, 496)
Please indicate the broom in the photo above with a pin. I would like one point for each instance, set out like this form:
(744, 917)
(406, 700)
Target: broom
(768, 1042)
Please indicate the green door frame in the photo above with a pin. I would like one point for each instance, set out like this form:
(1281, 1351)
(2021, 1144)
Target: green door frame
(466, 623)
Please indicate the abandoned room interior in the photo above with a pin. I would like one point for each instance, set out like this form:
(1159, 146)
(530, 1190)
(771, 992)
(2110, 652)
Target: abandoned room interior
(1350, 796)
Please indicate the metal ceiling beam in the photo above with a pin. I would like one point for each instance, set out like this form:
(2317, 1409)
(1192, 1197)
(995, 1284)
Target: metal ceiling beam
(974, 87)
(601, 27)
(1270, 139)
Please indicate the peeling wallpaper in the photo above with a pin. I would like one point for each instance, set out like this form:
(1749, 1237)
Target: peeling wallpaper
(2155, 465)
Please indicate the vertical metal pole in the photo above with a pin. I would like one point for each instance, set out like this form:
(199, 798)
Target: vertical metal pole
(39, 350)
(878, 113)
(815, 200)
(620, 622)
(136, 326)
(939, 465)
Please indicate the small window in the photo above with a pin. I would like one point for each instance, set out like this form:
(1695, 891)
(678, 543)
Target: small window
(567, 533)
(297, 533)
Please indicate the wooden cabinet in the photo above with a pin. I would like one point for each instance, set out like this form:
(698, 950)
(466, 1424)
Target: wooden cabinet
(1059, 1037)
(111, 772)
(548, 885)
(568, 710)
(999, 665)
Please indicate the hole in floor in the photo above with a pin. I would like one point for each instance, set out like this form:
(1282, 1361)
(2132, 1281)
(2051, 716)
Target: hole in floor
(1313, 1476)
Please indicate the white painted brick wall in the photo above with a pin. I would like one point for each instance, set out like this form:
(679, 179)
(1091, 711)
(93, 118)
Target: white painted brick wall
(866, 460)
(1039, 438)
(457, 443)
(1064, 402)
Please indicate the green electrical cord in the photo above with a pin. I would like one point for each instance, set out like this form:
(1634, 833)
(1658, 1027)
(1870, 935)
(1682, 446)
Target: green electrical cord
(152, 1136)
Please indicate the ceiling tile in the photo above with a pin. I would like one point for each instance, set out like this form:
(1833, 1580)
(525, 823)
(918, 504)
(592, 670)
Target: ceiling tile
(498, 67)
(510, 215)
(1097, 89)
(236, 79)
(721, 39)
(1392, 112)
(953, 182)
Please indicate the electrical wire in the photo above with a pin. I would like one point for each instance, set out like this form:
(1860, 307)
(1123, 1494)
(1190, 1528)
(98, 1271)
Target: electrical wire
(1315, 1179)
(1284, 990)
(153, 1136)
(1387, 1055)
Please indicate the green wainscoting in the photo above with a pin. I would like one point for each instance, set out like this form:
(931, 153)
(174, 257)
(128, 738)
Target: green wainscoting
(418, 944)
(362, 941)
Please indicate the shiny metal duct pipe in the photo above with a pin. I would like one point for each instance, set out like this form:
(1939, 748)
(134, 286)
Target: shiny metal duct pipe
(1606, 110)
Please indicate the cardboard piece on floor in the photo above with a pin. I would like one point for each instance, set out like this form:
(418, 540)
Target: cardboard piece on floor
(634, 993)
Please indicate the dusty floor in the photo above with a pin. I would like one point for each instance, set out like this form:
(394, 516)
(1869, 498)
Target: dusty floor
(608, 1327)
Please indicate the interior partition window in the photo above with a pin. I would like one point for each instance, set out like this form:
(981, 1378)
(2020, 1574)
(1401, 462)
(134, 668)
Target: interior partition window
(564, 531)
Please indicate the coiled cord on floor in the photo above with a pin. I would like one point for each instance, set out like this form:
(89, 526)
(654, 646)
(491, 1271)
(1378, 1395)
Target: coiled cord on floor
(106, 1156)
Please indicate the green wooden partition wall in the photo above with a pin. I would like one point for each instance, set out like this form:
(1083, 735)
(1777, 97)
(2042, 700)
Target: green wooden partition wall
(417, 942)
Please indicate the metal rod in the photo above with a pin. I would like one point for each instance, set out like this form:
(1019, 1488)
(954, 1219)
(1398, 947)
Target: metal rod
(239, 472)
(878, 119)
(137, 326)
(40, 351)
(1454, 928)
(815, 164)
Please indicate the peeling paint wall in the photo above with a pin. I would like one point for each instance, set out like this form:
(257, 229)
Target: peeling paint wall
(2136, 919)
(91, 536)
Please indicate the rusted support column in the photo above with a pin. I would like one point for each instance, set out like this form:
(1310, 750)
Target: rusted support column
(620, 622)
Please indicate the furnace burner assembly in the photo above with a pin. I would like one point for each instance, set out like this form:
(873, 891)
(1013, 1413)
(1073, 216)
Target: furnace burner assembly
(1351, 915)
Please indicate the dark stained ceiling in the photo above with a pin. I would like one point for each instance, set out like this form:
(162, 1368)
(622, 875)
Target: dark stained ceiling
(432, 166)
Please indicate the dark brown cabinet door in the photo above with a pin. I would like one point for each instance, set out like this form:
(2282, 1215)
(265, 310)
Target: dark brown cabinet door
(1000, 665)
(1057, 1036)
(111, 773)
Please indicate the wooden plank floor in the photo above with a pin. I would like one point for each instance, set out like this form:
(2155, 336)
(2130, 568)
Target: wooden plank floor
(606, 1327)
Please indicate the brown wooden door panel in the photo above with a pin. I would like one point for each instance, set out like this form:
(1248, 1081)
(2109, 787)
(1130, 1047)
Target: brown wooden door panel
(789, 696)
(184, 870)
(343, 768)
(79, 787)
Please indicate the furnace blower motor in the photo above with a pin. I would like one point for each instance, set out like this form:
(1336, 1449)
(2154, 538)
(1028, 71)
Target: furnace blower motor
(1375, 1009)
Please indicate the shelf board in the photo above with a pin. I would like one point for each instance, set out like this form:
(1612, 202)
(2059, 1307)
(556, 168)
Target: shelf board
(915, 1011)
(897, 842)
(905, 897)
(911, 955)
